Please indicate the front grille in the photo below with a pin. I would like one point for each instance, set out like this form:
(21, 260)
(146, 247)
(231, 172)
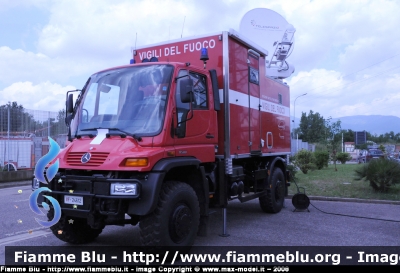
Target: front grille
(96, 159)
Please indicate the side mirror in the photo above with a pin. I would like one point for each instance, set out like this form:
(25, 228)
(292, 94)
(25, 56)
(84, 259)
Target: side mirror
(186, 90)
(68, 119)
(70, 104)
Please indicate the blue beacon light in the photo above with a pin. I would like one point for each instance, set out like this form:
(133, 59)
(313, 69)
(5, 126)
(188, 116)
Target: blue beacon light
(133, 61)
(204, 56)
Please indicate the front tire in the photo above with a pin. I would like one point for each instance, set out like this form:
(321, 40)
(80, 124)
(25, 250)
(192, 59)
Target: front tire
(273, 201)
(74, 230)
(175, 221)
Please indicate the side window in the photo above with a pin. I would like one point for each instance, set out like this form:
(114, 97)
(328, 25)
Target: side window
(200, 99)
(200, 91)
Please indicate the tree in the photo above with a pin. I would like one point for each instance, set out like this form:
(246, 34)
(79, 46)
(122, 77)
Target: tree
(348, 135)
(18, 121)
(53, 125)
(382, 148)
(21, 122)
(397, 138)
(334, 138)
(304, 160)
(58, 124)
(312, 127)
(321, 159)
(381, 173)
(363, 146)
(343, 157)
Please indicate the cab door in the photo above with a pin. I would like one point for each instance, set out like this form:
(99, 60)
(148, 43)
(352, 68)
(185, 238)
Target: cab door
(195, 133)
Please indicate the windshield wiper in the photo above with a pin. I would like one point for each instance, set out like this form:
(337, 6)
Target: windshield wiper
(87, 134)
(78, 136)
(124, 134)
(91, 129)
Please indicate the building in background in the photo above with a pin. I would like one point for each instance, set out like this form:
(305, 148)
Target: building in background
(360, 137)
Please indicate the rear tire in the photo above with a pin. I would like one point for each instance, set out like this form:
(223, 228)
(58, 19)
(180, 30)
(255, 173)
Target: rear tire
(274, 200)
(175, 221)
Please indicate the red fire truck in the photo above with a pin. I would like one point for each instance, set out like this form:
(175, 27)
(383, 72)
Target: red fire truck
(188, 125)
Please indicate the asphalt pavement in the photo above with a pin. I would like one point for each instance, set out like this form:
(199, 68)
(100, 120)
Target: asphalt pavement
(327, 222)
(4, 185)
(321, 198)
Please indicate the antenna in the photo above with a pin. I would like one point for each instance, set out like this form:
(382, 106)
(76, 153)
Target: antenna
(135, 40)
(270, 30)
(183, 25)
(133, 51)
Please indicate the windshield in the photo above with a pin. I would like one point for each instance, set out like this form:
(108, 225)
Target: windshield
(129, 99)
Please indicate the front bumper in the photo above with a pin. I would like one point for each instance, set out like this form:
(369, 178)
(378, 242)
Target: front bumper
(95, 198)
(94, 193)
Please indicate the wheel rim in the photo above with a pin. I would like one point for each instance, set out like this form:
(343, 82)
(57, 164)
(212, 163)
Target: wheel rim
(180, 223)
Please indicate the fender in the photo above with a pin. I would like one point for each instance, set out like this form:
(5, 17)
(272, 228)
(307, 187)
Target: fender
(281, 162)
(277, 161)
(166, 164)
(152, 186)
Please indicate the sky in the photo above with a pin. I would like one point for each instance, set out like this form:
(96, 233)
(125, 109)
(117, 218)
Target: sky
(346, 53)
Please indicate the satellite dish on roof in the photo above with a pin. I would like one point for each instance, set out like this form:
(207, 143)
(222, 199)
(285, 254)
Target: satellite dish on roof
(271, 31)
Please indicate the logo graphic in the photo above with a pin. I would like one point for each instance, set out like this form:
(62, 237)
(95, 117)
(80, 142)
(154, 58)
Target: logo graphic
(256, 25)
(85, 158)
(50, 173)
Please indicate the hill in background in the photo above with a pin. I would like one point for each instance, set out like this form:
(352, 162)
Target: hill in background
(374, 124)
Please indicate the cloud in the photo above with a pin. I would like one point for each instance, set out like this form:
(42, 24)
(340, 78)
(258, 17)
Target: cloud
(9, 4)
(333, 95)
(104, 29)
(44, 96)
(18, 65)
(345, 53)
(361, 32)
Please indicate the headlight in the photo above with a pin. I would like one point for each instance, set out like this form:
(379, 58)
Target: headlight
(124, 189)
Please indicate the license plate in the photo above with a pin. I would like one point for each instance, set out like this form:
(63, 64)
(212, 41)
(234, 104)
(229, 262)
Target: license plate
(73, 200)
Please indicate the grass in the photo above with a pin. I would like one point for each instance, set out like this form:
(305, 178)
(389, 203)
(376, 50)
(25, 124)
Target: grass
(330, 183)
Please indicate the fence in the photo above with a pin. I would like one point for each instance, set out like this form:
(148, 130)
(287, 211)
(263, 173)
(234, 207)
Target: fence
(298, 144)
(24, 135)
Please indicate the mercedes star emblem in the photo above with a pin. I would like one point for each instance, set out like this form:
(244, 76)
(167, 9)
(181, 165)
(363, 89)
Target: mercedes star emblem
(85, 158)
